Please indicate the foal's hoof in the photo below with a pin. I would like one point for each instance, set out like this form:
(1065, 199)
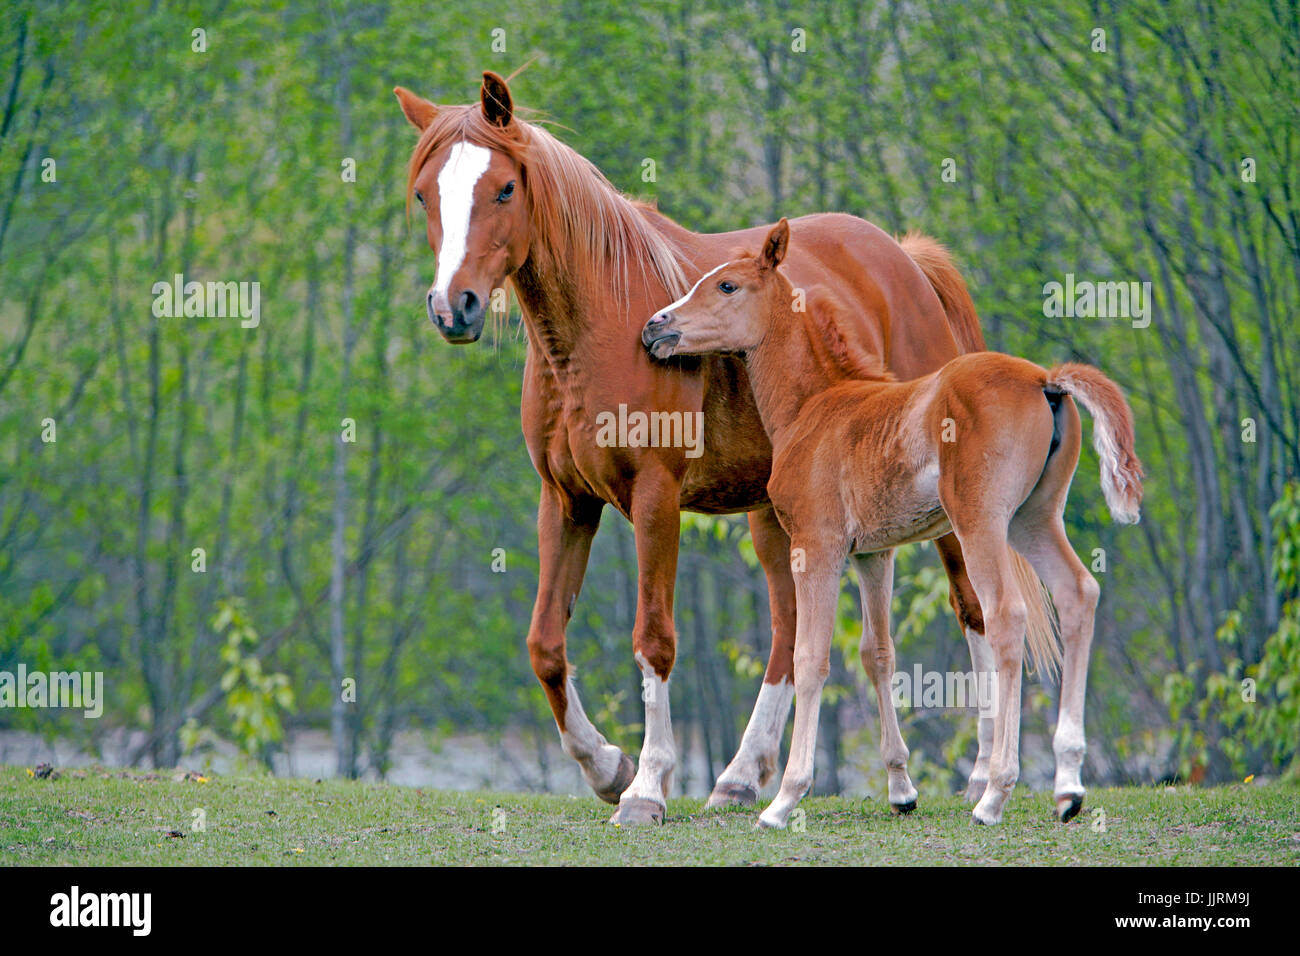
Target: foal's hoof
(732, 795)
(1068, 806)
(622, 780)
(902, 808)
(636, 810)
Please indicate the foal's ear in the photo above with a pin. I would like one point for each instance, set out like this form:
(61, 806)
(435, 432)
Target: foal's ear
(775, 245)
(497, 105)
(419, 111)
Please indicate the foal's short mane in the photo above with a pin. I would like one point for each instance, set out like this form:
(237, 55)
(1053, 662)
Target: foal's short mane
(825, 320)
(578, 217)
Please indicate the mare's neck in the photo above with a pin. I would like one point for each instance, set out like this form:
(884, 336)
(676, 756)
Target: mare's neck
(554, 313)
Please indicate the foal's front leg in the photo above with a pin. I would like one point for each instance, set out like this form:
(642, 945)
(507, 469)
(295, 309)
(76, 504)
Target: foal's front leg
(656, 523)
(876, 585)
(816, 594)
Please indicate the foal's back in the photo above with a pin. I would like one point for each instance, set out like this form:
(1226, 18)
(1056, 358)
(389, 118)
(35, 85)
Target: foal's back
(869, 456)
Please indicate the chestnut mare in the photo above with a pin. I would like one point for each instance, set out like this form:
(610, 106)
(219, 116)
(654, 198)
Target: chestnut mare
(985, 447)
(505, 201)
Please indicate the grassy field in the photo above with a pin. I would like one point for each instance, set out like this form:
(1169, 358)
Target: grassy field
(99, 817)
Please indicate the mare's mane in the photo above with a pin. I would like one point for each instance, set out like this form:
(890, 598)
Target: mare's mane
(579, 219)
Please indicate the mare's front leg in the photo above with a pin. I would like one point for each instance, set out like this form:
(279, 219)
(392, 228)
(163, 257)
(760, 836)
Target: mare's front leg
(816, 595)
(656, 523)
(760, 747)
(565, 527)
(876, 585)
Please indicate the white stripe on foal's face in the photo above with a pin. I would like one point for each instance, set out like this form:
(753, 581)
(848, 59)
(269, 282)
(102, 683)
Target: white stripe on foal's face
(456, 181)
(687, 297)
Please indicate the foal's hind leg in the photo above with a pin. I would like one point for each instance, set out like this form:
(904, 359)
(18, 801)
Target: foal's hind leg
(876, 585)
(965, 604)
(760, 748)
(1075, 593)
(989, 558)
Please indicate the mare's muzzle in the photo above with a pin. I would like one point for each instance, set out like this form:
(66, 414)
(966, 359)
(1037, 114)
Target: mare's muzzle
(464, 322)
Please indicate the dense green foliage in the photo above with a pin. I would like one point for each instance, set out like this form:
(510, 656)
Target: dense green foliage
(1162, 151)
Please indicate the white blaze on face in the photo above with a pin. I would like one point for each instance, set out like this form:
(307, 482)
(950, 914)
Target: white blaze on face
(456, 181)
(687, 297)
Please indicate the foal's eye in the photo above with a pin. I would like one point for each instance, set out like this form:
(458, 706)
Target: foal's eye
(419, 197)
(507, 192)
(726, 288)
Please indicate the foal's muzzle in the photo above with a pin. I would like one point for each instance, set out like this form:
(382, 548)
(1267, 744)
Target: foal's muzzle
(658, 337)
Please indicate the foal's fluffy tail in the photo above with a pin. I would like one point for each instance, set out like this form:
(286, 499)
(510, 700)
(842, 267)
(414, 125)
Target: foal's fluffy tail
(1121, 472)
(1041, 636)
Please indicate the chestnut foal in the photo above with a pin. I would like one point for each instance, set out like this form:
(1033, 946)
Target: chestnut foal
(985, 447)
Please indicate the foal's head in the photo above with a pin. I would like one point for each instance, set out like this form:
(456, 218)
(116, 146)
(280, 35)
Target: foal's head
(729, 309)
(467, 173)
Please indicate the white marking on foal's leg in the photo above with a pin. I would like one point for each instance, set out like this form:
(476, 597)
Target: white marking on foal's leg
(466, 163)
(654, 772)
(760, 747)
(1006, 628)
(598, 759)
(981, 659)
(1069, 743)
(876, 648)
(816, 595)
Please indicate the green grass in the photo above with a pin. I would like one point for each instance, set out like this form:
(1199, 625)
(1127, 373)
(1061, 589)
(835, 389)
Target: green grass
(100, 817)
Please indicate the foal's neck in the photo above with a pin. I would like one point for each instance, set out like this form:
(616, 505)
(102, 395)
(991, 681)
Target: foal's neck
(791, 365)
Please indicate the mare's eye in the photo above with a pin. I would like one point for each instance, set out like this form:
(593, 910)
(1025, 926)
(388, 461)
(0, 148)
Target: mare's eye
(726, 288)
(507, 192)
(419, 197)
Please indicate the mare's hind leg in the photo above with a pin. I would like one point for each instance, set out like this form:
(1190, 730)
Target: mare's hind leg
(760, 747)
(1075, 593)
(876, 585)
(565, 527)
(966, 605)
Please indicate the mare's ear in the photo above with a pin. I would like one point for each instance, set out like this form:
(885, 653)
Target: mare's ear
(419, 111)
(497, 105)
(775, 245)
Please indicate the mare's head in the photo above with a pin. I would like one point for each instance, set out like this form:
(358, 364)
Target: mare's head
(468, 174)
(729, 309)
(498, 192)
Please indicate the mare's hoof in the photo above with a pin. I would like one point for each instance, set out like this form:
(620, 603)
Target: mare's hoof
(637, 810)
(622, 780)
(732, 795)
